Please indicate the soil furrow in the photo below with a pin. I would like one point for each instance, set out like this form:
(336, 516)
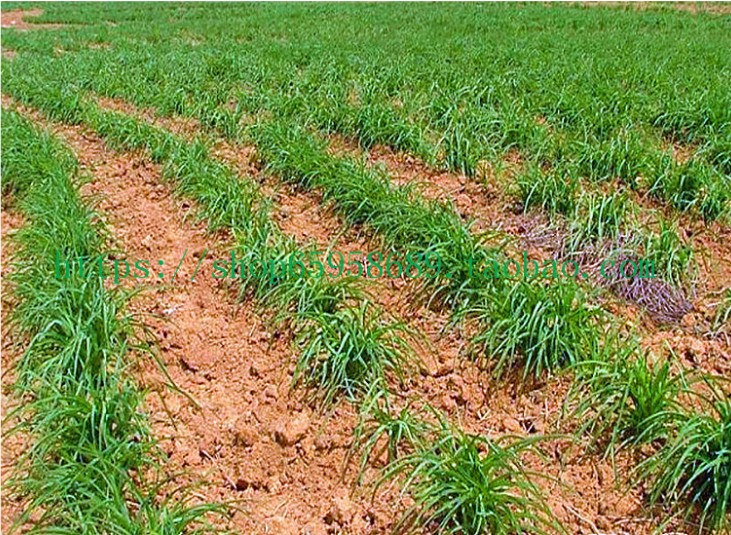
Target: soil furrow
(16, 19)
(481, 201)
(243, 429)
(484, 202)
(12, 446)
(306, 217)
(300, 214)
(463, 391)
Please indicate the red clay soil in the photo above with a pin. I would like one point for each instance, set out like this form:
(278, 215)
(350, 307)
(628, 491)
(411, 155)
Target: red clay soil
(305, 216)
(301, 214)
(254, 439)
(483, 201)
(16, 19)
(467, 394)
(298, 213)
(245, 431)
(713, 8)
(13, 445)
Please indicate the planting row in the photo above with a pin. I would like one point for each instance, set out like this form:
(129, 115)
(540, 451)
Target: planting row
(371, 347)
(619, 111)
(91, 465)
(603, 365)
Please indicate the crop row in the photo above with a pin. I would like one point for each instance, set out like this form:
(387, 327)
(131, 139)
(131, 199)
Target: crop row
(612, 112)
(363, 196)
(355, 342)
(371, 345)
(212, 95)
(478, 105)
(90, 465)
(592, 216)
(603, 377)
(345, 341)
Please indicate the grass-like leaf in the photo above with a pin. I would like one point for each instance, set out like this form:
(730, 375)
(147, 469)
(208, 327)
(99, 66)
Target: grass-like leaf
(466, 483)
(345, 351)
(691, 471)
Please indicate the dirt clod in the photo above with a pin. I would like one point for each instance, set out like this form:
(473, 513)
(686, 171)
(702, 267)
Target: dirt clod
(512, 425)
(322, 443)
(247, 479)
(290, 431)
(282, 526)
(245, 434)
(341, 512)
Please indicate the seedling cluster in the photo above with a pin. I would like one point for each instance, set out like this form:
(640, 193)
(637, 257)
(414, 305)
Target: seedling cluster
(591, 119)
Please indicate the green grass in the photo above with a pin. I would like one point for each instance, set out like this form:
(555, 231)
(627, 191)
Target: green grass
(681, 422)
(457, 482)
(463, 483)
(621, 395)
(363, 196)
(553, 192)
(366, 197)
(590, 98)
(694, 185)
(347, 350)
(597, 218)
(692, 469)
(543, 328)
(596, 112)
(89, 455)
(226, 200)
(601, 116)
(384, 429)
(673, 256)
(537, 328)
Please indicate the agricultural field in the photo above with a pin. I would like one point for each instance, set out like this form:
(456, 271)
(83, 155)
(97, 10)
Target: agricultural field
(366, 268)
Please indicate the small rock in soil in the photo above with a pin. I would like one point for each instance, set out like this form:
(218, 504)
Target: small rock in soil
(289, 432)
(273, 485)
(245, 434)
(246, 480)
(512, 425)
(341, 512)
(282, 526)
(270, 392)
(322, 442)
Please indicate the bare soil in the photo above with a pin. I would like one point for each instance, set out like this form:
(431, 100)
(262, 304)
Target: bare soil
(16, 19)
(243, 434)
(483, 200)
(12, 445)
(222, 354)
(714, 8)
